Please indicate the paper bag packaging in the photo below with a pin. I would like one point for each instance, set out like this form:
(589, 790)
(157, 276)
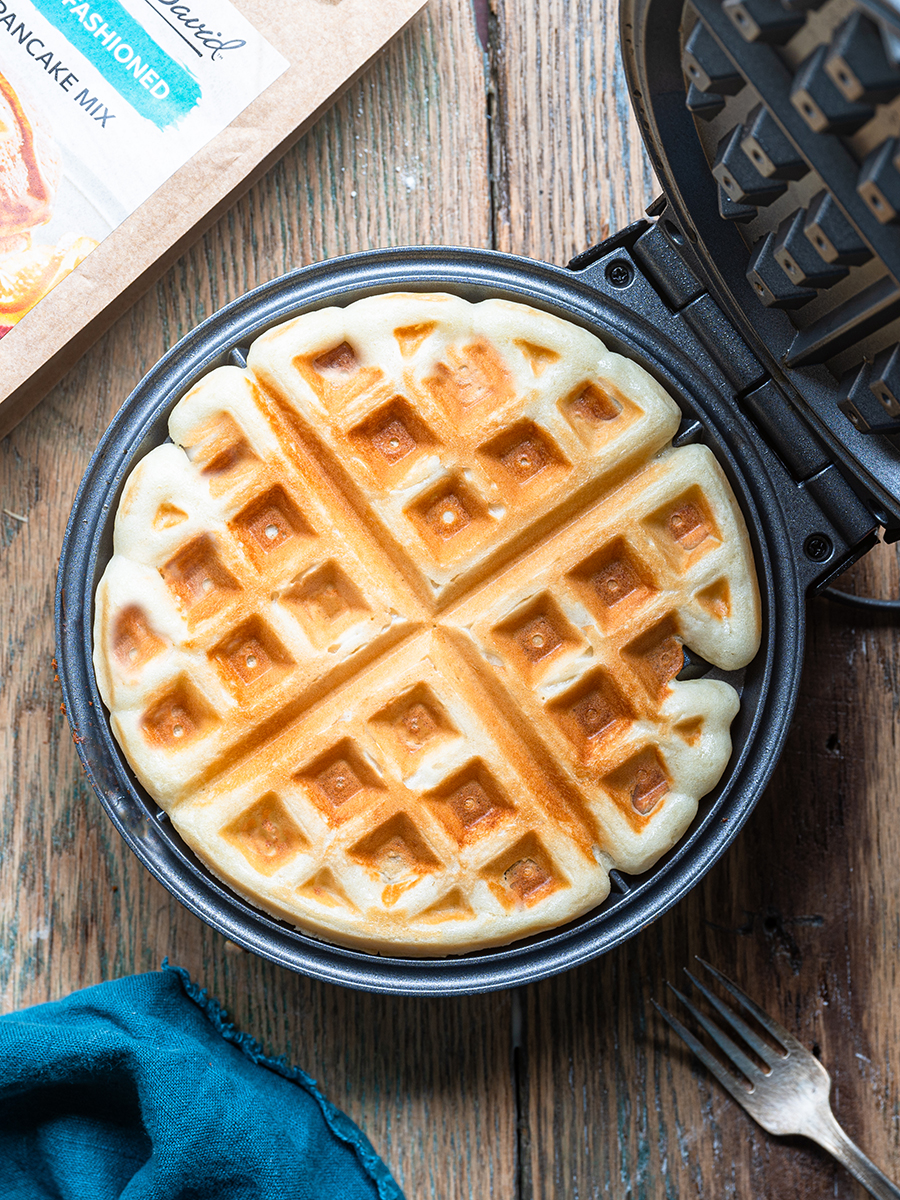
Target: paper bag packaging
(126, 128)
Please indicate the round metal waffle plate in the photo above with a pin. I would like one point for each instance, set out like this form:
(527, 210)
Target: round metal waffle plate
(768, 686)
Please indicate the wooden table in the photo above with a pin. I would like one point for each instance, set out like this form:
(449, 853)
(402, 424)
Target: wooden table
(569, 1088)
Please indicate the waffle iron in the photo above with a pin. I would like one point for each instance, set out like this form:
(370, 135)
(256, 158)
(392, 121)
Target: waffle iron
(763, 290)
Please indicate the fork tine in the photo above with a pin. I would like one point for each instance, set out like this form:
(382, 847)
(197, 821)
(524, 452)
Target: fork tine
(730, 1082)
(753, 1040)
(729, 1048)
(787, 1040)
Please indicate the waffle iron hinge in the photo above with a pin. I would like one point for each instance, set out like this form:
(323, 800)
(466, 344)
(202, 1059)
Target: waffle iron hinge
(831, 526)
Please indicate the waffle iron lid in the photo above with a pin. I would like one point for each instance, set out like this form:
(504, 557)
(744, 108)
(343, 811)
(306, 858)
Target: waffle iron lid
(774, 129)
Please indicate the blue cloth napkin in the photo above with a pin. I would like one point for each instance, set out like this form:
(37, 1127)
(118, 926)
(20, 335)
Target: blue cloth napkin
(141, 1089)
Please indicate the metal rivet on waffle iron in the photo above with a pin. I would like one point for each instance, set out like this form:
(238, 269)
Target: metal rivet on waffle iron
(764, 20)
(620, 273)
(820, 104)
(768, 280)
(858, 64)
(707, 66)
(884, 381)
(818, 547)
(831, 234)
(879, 181)
(739, 177)
(797, 257)
(769, 149)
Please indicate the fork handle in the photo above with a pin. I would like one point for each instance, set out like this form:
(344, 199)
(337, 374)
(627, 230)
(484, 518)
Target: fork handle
(831, 1137)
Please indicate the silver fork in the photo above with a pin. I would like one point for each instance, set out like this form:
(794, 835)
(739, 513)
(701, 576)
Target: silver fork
(790, 1095)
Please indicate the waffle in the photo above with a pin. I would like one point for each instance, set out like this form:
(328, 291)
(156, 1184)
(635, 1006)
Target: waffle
(391, 630)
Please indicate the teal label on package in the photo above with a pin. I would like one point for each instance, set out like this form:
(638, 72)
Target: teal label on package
(155, 85)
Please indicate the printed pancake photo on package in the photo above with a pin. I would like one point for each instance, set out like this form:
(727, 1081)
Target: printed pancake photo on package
(98, 107)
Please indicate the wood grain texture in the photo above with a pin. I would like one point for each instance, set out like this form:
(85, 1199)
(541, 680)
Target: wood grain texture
(570, 1088)
(569, 166)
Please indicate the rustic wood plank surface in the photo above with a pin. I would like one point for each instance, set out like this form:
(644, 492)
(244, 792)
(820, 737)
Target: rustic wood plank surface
(570, 1088)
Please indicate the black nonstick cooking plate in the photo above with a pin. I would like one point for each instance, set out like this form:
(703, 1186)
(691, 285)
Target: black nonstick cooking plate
(780, 525)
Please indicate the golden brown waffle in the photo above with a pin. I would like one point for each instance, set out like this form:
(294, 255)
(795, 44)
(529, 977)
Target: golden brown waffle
(394, 636)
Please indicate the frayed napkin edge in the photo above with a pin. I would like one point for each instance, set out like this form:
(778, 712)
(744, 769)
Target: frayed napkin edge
(338, 1122)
